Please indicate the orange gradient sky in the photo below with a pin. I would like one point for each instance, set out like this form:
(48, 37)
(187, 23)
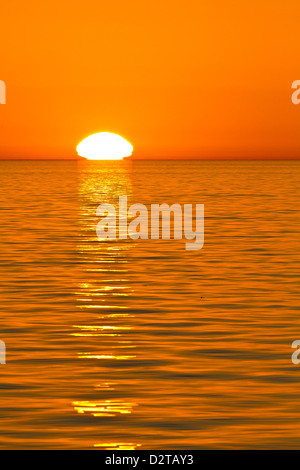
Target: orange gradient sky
(176, 79)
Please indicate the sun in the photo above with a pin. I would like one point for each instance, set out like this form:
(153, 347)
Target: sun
(104, 146)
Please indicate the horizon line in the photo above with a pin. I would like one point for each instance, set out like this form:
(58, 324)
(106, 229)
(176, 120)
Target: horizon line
(151, 159)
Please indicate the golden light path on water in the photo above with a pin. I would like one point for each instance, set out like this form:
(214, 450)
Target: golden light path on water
(96, 256)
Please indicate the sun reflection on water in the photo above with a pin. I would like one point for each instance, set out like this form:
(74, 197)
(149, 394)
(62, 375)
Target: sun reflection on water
(118, 446)
(103, 293)
(103, 408)
(85, 355)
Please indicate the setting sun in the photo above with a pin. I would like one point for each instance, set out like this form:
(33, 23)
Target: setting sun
(104, 146)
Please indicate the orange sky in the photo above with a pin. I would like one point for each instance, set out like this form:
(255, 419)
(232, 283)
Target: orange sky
(177, 79)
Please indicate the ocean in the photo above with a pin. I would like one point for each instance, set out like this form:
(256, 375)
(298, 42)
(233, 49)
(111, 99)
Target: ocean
(142, 344)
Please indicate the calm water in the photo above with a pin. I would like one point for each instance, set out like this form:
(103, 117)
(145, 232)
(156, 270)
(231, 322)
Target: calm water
(141, 343)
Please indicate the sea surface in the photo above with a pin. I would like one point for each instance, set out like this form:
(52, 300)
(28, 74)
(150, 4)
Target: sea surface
(141, 344)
